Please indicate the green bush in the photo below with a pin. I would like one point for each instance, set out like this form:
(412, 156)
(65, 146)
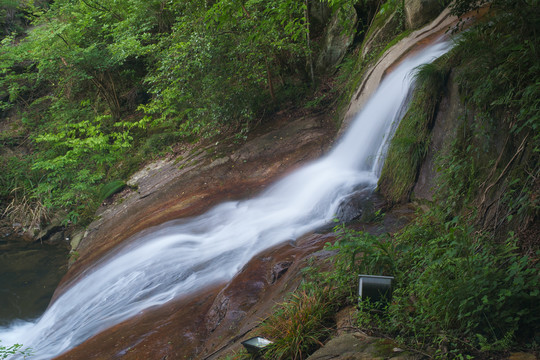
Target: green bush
(157, 143)
(459, 288)
(363, 253)
(455, 290)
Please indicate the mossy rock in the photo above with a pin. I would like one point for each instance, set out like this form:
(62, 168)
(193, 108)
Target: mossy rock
(357, 346)
(385, 27)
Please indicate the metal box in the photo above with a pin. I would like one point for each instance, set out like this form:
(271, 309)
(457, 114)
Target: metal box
(375, 288)
(256, 344)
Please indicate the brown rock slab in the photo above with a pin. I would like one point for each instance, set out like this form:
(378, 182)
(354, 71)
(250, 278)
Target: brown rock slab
(203, 325)
(357, 346)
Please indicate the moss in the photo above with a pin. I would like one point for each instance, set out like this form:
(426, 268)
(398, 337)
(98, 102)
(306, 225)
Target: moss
(384, 348)
(178, 159)
(410, 144)
(394, 41)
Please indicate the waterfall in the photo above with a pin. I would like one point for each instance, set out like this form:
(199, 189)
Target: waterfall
(185, 255)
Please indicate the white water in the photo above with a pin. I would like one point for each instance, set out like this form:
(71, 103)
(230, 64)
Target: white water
(186, 255)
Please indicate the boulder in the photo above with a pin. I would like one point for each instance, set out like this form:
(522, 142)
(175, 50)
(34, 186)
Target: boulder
(420, 12)
(358, 346)
(382, 35)
(355, 205)
(339, 35)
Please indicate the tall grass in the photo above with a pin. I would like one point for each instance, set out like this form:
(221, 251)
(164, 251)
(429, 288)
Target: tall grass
(300, 324)
(26, 213)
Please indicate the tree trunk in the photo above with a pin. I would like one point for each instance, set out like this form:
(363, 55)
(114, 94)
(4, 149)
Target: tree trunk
(270, 83)
(310, 58)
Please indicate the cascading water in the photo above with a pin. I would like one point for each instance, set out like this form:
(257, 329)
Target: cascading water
(182, 256)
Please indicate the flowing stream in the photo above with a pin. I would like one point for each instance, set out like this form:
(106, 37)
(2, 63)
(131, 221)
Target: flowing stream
(185, 255)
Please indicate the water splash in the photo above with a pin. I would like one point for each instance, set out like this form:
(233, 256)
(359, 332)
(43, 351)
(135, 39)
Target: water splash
(182, 256)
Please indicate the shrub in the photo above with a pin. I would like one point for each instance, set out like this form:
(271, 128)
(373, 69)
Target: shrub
(459, 288)
(16, 349)
(455, 290)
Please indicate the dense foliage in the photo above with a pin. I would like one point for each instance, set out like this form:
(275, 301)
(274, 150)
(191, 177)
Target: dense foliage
(89, 88)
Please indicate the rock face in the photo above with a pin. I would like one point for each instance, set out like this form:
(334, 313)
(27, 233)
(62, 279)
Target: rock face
(382, 35)
(339, 36)
(443, 133)
(357, 204)
(357, 346)
(420, 12)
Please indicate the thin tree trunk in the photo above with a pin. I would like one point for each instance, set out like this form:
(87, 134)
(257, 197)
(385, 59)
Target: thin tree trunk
(310, 58)
(270, 83)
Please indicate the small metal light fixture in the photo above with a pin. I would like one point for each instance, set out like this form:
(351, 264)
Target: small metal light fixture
(256, 344)
(375, 288)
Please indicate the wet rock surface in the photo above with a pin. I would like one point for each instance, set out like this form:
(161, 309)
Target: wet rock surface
(205, 324)
(211, 324)
(195, 180)
(353, 207)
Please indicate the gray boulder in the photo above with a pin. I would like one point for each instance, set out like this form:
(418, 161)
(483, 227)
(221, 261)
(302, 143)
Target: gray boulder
(339, 35)
(420, 12)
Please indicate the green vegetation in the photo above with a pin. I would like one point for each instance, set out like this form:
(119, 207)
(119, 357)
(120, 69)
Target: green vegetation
(410, 144)
(16, 349)
(111, 188)
(456, 291)
(90, 89)
(467, 270)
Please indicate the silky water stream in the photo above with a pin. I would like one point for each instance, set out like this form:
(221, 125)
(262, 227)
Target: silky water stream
(186, 255)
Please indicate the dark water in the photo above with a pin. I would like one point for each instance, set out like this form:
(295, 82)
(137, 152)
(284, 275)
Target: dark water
(29, 274)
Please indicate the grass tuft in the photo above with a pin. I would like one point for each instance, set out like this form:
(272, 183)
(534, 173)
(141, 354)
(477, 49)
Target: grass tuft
(300, 324)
